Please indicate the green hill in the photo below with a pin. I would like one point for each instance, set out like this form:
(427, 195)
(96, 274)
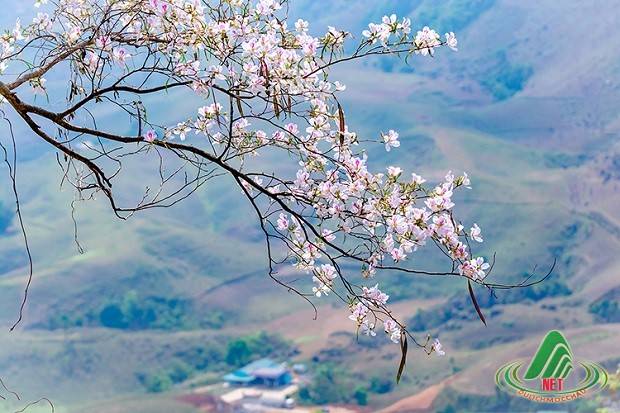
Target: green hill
(528, 107)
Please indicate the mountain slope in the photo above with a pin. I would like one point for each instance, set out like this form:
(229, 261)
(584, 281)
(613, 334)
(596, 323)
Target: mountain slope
(528, 107)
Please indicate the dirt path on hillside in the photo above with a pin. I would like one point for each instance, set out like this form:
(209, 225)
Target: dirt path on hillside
(420, 402)
(312, 335)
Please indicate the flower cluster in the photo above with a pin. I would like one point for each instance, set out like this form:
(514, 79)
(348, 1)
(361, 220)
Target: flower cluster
(324, 278)
(474, 268)
(393, 330)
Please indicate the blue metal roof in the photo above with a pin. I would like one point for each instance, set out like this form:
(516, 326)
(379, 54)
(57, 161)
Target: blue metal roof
(239, 376)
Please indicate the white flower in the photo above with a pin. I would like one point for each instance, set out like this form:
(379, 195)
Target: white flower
(391, 140)
(368, 328)
(437, 348)
(394, 171)
(426, 40)
(451, 41)
(181, 130)
(475, 233)
(417, 179)
(42, 21)
(301, 25)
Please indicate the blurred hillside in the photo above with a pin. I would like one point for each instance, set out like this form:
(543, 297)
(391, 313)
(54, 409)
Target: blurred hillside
(528, 107)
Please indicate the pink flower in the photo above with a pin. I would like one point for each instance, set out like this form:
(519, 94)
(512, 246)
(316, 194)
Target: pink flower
(102, 42)
(398, 254)
(359, 312)
(375, 295)
(328, 235)
(393, 330)
(150, 136)
(120, 56)
(291, 128)
(283, 222)
(323, 276)
(460, 251)
(474, 268)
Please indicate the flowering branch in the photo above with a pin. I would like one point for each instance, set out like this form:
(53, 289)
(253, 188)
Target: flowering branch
(260, 88)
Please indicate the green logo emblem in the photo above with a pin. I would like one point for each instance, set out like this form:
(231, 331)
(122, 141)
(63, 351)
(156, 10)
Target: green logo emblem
(549, 371)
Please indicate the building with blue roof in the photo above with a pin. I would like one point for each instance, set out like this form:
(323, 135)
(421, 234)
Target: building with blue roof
(261, 372)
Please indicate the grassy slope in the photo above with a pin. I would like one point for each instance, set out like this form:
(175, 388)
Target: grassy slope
(565, 108)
